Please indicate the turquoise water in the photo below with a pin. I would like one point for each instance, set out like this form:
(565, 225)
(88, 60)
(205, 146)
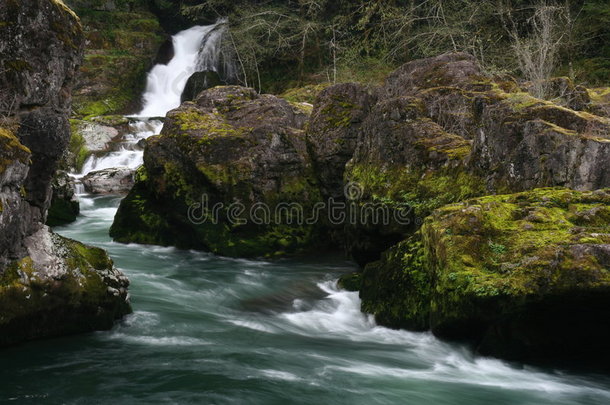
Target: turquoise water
(210, 330)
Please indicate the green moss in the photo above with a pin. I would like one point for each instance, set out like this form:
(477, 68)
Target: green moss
(17, 65)
(77, 146)
(305, 94)
(482, 258)
(521, 101)
(62, 212)
(397, 288)
(339, 113)
(423, 190)
(35, 305)
(351, 282)
(601, 94)
(207, 125)
(11, 150)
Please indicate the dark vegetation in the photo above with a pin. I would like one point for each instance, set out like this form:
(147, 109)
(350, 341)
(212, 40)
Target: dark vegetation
(282, 44)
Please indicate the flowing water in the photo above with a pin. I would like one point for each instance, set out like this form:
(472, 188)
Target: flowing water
(212, 330)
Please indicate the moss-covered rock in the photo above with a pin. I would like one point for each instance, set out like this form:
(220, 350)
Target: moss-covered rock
(61, 287)
(231, 147)
(523, 276)
(122, 44)
(409, 165)
(305, 94)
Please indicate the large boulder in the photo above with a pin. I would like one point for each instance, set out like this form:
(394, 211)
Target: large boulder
(48, 285)
(61, 287)
(222, 177)
(524, 276)
(523, 142)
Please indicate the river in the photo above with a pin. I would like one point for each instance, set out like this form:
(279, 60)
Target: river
(213, 330)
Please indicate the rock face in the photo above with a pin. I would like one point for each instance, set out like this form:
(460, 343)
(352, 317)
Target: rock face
(40, 51)
(64, 203)
(524, 276)
(48, 285)
(332, 133)
(117, 180)
(233, 149)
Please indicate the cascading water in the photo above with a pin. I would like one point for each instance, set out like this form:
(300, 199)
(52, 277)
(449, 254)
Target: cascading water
(166, 82)
(195, 49)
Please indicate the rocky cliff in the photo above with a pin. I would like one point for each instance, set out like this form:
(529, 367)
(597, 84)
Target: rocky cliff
(49, 285)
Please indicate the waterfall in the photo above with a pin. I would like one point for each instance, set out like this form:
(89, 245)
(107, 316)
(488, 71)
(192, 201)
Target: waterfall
(166, 82)
(214, 57)
(195, 49)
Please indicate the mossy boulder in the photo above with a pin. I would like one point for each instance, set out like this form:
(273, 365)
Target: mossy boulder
(523, 142)
(407, 165)
(61, 287)
(233, 149)
(523, 276)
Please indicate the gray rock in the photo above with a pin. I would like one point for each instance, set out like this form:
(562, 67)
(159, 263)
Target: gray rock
(117, 180)
(65, 206)
(333, 130)
(97, 137)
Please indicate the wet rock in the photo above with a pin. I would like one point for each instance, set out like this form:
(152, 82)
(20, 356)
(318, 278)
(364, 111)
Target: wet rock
(64, 203)
(61, 287)
(117, 180)
(198, 82)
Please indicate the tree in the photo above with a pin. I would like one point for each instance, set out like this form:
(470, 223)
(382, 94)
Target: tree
(538, 43)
